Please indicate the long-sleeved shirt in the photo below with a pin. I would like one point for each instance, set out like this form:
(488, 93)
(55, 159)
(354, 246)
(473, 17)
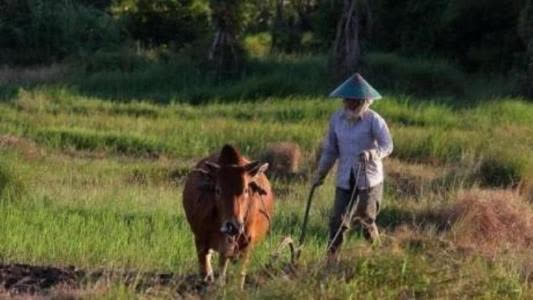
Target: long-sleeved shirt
(346, 140)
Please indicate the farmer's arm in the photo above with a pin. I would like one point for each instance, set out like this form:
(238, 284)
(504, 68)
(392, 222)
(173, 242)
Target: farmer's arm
(330, 152)
(381, 133)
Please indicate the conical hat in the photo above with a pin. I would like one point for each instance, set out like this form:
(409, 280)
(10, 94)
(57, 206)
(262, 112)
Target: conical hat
(356, 87)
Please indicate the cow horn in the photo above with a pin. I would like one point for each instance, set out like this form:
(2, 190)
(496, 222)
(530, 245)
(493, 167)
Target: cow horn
(213, 166)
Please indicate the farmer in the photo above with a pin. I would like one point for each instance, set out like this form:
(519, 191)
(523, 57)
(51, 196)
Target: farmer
(359, 138)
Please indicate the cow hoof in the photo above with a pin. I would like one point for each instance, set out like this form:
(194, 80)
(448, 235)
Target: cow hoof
(209, 278)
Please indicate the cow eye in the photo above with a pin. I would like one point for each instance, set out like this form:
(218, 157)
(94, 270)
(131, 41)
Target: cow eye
(246, 191)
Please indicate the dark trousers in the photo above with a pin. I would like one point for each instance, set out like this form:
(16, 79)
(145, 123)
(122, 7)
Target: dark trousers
(365, 214)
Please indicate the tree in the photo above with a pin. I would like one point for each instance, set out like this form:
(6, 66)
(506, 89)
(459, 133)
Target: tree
(278, 26)
(292, 19)
(163, 22)
(226, 52)
(526, 32)
(39, 31)
(346, 51)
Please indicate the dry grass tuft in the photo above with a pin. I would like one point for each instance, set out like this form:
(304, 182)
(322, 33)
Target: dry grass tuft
(491, 220)
(526, 188)
(283, 158)
(32, 75)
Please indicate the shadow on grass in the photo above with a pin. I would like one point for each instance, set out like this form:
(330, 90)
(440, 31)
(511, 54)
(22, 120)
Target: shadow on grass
(393, 217)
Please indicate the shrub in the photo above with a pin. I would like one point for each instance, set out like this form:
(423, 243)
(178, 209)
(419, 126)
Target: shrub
(502, 172)
(421, 77)
(258, 45)
(123, 60)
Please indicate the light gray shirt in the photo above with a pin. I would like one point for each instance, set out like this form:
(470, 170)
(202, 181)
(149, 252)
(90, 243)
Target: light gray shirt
(346, 140)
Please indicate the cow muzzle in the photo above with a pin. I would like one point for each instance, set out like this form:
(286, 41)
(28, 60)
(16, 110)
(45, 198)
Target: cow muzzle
(232, 228)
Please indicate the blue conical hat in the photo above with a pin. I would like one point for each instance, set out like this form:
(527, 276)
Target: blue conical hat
(356, 87)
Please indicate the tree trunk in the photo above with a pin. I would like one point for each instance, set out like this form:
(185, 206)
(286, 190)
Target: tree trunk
(526, 32)
(529, 75)
(278, 27)
(225, 52)
(345, 54)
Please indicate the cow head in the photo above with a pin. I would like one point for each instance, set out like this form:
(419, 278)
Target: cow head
(234, 187)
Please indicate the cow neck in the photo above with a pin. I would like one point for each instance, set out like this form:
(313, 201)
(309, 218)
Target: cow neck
(263, 210)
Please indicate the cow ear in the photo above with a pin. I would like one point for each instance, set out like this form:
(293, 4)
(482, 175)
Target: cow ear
(256, 168)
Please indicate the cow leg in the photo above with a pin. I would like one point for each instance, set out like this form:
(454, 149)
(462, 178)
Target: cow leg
(204, 259)
(245, 260)
(223, 262)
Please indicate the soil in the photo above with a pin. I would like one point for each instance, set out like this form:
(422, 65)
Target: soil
(22, 279)
(19, 278)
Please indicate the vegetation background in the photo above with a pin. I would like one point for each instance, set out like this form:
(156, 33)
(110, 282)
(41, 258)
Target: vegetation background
(105, 106)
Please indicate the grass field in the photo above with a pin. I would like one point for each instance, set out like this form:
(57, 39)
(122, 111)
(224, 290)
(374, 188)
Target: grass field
(96, 183)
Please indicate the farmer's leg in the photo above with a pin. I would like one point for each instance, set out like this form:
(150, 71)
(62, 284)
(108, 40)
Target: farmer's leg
(336, 226)
(368, 210)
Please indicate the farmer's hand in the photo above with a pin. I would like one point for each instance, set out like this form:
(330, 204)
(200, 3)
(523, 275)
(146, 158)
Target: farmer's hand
(365, 156)
(317, 180)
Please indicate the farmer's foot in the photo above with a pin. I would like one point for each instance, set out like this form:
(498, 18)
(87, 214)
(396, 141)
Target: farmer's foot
(371, 234)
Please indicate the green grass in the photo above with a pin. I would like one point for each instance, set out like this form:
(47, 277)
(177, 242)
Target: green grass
(90, 177)
(496, 134)
(89, 213)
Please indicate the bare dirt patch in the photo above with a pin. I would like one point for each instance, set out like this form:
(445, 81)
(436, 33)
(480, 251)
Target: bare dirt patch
(19, 278)
(23, 279)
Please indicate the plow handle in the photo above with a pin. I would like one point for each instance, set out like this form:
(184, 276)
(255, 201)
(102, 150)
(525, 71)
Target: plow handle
(306, 216)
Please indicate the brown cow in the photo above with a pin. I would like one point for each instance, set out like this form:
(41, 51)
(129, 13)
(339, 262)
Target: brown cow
(228, 202)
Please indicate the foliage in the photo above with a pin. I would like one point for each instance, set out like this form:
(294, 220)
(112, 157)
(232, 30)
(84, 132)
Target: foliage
(37, 32)
(325, 22)
(258, 45)
(226, 54)
(526, 22)
(483, 34)
(163, 22)
(480, 35)
(526, 32)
